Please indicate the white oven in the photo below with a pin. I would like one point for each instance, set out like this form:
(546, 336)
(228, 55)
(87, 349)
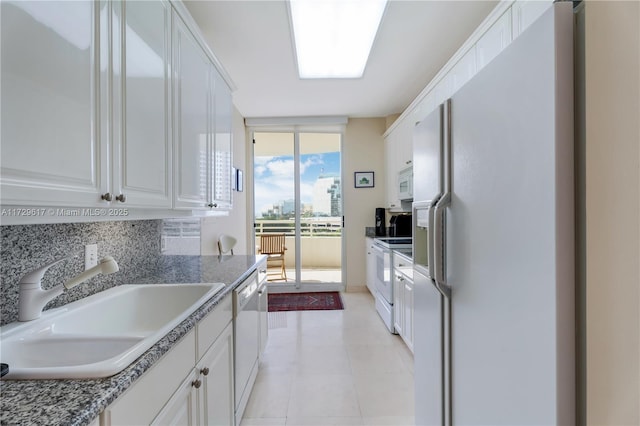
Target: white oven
(382, 248)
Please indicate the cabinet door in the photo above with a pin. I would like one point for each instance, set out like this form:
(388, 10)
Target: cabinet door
(142, 136)
(222, 143)
(398, 303)
(494, 40)
(371, 266)
(463, 70)
(407, 334)
(52, 80)
(216, 372)
(405, 148)
(182, 408)
(391, 155)
(525, 12)
(142, 402)
(263, 316)
(191, 125)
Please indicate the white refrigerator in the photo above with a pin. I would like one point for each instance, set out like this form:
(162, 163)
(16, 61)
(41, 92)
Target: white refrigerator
(494, 240)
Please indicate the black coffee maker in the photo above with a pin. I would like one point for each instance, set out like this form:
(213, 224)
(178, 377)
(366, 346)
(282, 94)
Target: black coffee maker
(381, 229)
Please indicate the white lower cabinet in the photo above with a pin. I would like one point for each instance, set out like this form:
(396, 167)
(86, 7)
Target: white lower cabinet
(193, 384)
(215, 396)
(142, 402)
(263, 308)
(371, 266)
(403, 298)
(407, 334)
(206, 395)
(398, 303)
(182, 409)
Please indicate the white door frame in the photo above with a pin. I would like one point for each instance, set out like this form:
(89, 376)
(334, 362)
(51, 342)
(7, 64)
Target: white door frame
(262, 127)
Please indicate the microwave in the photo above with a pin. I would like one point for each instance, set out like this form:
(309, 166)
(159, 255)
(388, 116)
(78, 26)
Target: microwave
(405, 184)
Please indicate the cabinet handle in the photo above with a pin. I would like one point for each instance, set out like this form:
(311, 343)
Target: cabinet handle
(106, 197)
(121, 198)
(211, 205)
(205, 371)
(196, 384)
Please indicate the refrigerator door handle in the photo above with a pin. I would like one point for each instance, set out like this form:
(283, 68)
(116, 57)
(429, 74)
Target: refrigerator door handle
(430, 252)
(438, 243)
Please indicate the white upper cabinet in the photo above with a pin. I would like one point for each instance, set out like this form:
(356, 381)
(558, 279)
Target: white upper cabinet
(142, 135)
(202, 126)
(51, 86)
(191, 70)
(463, 70)
(111, 104)
(222, 142)
(391, 159)
(494, 40)
(399, 157)
(525, 12)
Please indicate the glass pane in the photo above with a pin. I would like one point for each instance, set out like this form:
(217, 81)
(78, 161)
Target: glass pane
(274, 194)
(320, 208)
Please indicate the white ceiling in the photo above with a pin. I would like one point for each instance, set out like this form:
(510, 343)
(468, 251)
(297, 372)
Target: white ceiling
(252, 39)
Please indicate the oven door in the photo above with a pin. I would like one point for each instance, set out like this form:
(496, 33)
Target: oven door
(384, 286)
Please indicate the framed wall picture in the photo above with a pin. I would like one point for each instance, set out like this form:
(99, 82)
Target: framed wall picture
(364, 179)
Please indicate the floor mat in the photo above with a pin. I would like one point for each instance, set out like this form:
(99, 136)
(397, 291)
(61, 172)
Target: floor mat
(312, 301)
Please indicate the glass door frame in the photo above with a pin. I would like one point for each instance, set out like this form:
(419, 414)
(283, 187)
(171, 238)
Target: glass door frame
(296, 130)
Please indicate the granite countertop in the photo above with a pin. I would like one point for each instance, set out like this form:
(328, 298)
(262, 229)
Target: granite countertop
(79, 402)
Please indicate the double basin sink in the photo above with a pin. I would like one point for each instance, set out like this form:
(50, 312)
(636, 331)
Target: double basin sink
(99, 335)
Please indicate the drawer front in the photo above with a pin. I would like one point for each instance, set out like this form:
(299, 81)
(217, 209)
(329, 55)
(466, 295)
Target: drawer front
(146, 397)
(210, 327)
(403, 265)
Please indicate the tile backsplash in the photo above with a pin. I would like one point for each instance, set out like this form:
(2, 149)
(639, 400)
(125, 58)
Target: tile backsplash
(135, 245)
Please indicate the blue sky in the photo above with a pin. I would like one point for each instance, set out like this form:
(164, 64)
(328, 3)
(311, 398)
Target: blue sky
(274, 177)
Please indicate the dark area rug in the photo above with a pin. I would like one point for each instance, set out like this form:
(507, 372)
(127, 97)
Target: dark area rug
(314, 301)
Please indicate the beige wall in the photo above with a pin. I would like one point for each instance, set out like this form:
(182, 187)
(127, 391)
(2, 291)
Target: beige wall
(612, 218)
(236, 223)
(363, 151)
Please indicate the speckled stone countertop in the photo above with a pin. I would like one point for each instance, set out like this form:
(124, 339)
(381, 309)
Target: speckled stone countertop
(79, 402)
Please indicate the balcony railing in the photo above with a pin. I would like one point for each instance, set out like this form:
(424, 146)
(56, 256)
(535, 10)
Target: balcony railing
(320, 242)
(309, 226)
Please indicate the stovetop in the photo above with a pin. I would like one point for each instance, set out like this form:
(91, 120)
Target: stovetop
(394, 242)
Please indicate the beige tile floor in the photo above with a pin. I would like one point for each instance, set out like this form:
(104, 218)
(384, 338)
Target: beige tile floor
(333, 368)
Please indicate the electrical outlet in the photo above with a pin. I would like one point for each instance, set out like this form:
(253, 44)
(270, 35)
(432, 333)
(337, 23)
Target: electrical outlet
(90, 256)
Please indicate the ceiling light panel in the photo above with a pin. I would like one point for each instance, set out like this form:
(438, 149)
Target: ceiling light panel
(333, 38)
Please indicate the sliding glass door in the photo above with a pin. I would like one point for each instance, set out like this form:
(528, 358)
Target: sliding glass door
(298, 193)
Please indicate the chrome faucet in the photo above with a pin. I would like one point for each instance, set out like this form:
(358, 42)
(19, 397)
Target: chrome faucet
(33, 298)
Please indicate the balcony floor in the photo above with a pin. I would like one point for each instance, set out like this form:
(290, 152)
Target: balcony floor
(309, 276)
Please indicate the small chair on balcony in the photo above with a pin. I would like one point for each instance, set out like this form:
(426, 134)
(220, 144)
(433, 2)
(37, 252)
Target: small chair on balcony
(273, 246)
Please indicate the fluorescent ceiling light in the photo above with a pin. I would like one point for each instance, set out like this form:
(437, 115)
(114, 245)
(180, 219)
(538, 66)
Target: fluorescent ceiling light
(333, 38)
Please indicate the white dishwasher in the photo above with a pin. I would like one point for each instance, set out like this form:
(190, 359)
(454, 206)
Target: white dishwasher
(246, 341)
